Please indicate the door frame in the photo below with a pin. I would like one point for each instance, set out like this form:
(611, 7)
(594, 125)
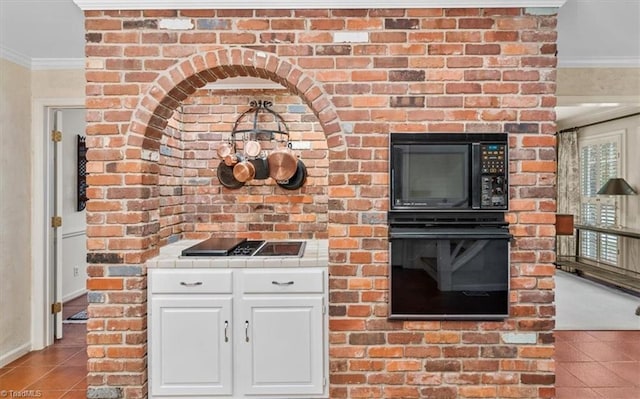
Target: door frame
(42, 322)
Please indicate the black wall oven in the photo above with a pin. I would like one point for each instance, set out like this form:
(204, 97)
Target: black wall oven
(449, 242)
(458, 272)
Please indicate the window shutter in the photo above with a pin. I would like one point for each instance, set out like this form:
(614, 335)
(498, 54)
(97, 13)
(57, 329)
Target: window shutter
(598, 163)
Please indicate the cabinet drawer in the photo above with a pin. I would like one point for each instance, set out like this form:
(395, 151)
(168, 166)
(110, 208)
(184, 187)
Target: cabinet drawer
(262, 281)
(190, 281)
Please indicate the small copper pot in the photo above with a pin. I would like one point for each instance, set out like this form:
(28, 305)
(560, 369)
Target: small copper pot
(244, 171)
(252, 148)
(224, 150)
(232, 159)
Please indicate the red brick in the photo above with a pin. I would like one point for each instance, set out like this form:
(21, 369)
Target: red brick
(200, 37)
(121, 37)
(105, 284)
(477, 392)
(237, 38)
(102, 24)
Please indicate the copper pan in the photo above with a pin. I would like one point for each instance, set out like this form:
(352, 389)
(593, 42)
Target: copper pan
(224, 150)
(252, 148)
(297, 180)
(282, 163)
(244, 171)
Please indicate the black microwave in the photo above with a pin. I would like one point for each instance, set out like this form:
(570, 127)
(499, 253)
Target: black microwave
(449, 172)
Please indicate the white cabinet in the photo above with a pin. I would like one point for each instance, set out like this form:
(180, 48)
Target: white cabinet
(238, 333)
(189, 340)
(283, 348)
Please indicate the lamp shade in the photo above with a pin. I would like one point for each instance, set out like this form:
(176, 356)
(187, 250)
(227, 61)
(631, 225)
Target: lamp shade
(564, 225)
(617, 186)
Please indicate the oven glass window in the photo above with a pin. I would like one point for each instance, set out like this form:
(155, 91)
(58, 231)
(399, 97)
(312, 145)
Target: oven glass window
(463, 277)
(435, 176)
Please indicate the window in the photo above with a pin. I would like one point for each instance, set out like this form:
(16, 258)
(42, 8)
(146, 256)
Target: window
(599, 161)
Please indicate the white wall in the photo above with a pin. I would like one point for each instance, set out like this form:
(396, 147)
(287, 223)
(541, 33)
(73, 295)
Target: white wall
(20, 246)
(588, 95)
(15, 210)
(58, 83)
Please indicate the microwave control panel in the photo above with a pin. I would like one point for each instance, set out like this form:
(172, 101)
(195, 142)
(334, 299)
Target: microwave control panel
(493, 172)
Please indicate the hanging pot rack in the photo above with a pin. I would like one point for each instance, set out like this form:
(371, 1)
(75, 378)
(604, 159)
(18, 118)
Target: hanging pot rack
(258, 108)
(247, 159)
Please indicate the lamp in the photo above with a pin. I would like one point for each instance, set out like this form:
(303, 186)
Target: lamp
(564, 225)
(616, 186)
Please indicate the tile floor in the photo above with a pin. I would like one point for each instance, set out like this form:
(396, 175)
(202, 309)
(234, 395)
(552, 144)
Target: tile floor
(589, 364)
(56, 372)
(597, 364)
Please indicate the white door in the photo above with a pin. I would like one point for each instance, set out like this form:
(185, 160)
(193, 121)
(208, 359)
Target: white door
(280, 345)
(191, 345)
(67, 251)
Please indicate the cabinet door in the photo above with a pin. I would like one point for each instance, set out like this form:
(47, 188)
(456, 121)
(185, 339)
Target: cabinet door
(280, 345)
(190, 346)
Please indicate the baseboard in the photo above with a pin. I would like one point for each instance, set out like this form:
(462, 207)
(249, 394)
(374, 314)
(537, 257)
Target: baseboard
(15, 354)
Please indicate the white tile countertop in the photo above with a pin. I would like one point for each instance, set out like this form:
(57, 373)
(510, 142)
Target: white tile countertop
(316, 254)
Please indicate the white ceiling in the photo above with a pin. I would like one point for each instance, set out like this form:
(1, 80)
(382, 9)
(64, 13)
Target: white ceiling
(39, 30)
(599, 33)
(46, 34)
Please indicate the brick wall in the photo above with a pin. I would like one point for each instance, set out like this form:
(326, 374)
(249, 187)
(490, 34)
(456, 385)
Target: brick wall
(360, 74)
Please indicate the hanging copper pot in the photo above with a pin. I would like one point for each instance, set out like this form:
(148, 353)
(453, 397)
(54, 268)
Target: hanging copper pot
(297, 180)
(252, 148)
(244, 171)
(224, 150)
(232, 159)
(282, 163)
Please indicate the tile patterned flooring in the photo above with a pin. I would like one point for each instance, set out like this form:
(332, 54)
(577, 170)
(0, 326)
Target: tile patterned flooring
(589, 364)
(597, 364)
(56, 372)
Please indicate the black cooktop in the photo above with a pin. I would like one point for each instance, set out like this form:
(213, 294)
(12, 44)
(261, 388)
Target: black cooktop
(216, 246)
(284, 248)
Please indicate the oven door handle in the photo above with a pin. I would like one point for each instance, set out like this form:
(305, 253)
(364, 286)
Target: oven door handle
(447, 235)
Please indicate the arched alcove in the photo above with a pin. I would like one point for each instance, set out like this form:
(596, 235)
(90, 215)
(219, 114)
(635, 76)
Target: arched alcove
(176, 129)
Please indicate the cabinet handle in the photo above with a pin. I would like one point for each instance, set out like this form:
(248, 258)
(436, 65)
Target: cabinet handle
(246, 330)
(226, 327)
(279, 283)
(197, 283)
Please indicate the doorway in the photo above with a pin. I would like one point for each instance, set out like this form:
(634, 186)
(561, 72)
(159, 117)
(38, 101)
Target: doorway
(59, 257)
(68, 202)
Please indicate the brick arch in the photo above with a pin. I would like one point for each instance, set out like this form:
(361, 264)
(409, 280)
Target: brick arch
(183, 79)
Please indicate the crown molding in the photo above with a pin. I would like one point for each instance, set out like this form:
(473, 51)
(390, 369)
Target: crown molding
(596, 114)
(15, 56)
(40, 63)
(599, 62)
(57, 63)
(307, 4)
